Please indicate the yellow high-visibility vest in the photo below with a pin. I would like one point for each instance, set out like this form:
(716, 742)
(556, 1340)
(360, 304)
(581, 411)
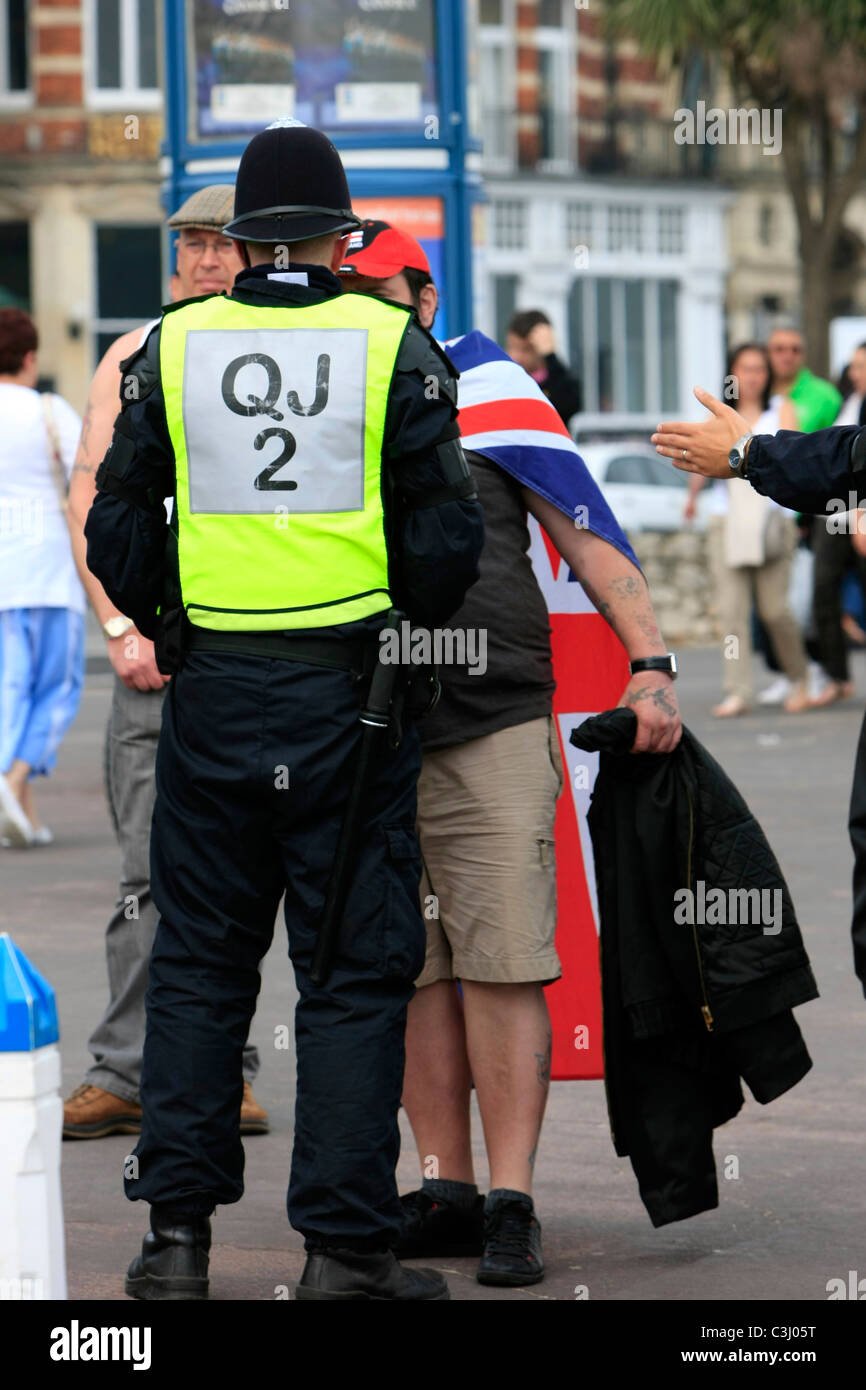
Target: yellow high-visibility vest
(277, 417)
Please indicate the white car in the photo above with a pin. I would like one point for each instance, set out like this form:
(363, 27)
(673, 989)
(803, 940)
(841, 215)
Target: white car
(644, 491)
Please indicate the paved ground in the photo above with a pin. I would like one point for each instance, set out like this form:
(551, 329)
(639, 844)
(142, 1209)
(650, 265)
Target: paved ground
(789, 1222)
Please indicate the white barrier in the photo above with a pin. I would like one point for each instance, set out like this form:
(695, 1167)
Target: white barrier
(32, 1253)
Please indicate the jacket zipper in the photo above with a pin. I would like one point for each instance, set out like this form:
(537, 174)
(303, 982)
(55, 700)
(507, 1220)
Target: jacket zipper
(705, 1007)
(603, 1054)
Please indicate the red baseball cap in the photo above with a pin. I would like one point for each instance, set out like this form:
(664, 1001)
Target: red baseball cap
(379, 250)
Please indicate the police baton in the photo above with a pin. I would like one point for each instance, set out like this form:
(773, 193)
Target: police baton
(375, 717)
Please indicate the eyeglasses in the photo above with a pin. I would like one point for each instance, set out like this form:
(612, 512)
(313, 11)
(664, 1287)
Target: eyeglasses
(196, 246)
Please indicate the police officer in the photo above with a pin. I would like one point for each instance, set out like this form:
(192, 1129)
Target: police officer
(307, 439)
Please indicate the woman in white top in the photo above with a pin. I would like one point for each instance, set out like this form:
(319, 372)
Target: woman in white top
(41, 598)
(751, 542)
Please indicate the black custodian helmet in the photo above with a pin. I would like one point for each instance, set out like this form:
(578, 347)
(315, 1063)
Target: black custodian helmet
(291, 186)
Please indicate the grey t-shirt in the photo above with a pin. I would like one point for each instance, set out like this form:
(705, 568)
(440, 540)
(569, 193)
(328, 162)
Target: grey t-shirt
(506, 609)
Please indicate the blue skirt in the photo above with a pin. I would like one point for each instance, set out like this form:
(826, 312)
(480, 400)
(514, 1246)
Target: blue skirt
(41, 676)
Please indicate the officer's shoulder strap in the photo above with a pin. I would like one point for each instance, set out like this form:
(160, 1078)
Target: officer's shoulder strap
(191, 299)
(420, 352)
(142, 366)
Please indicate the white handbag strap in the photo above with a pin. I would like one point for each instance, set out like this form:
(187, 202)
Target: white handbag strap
(57, 469)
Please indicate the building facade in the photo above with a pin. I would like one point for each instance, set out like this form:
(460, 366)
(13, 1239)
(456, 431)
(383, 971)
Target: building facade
(642, 251)
(81, 236)
(592, 213)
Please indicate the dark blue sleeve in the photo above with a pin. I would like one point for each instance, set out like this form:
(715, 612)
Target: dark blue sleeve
(434, 542)
(808, 471)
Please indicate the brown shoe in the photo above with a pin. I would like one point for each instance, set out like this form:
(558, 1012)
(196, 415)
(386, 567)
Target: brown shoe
(91, 1113)
(254, 1120)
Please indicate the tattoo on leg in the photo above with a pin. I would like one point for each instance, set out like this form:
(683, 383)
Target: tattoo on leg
(543, 1063)
(532, 1159)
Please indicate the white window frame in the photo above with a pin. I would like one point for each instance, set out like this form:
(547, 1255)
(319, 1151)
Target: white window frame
(14, 101)
(587, 367)
(671, 228)
(561, 43)
(128, 93)
(509, 215)
(501, 37)
(626, 229)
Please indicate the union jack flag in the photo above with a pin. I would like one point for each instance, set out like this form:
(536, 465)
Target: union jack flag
(506, 416)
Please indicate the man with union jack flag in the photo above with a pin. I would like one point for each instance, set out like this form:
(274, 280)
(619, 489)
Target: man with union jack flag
(487, 795)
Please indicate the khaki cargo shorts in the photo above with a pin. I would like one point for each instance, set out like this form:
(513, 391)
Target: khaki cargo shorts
(488, 891)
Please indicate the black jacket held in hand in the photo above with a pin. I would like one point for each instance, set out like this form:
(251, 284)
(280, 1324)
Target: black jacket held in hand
(690, 1006)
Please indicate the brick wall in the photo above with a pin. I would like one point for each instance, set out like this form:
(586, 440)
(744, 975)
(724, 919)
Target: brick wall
(58, 122)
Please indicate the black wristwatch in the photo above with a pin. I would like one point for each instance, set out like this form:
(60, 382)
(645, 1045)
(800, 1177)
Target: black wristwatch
(667, 663)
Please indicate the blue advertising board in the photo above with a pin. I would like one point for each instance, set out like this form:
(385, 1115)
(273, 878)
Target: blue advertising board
(334, 64)
(387, 76)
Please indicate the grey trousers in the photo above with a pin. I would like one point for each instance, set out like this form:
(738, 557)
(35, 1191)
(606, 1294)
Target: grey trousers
(130, 756)
(767, 586)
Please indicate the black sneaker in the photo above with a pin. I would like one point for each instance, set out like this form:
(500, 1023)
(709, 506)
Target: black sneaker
(512, 1245)
(434, 1226)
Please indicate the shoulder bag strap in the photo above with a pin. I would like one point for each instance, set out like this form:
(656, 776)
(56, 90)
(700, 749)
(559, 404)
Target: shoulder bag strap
(58, 471)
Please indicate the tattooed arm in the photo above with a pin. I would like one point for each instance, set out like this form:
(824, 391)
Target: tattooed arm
(131, 655)
(619, 592)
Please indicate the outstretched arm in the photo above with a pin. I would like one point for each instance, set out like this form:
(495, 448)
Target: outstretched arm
(805, 472)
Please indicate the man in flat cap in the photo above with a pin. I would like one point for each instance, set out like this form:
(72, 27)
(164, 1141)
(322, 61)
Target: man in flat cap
(108, 1100)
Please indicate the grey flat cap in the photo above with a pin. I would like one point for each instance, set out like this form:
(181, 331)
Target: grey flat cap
(210, 207)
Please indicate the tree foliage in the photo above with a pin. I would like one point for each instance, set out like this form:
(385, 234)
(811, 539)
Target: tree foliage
(805, 57)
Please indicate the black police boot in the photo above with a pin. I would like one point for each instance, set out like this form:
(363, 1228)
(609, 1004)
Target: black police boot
(512, 1241)
(435, 1226)
(173, 1261)
(336, 1273)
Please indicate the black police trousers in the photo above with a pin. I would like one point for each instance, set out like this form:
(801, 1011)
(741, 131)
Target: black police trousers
(255, 761)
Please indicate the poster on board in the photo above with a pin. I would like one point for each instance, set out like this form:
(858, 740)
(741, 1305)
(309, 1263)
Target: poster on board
(339, 65)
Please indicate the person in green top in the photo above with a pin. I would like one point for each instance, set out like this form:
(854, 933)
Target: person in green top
(817, 402)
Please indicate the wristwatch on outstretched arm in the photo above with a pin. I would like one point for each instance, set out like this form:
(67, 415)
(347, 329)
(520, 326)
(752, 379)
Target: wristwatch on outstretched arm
(737, 456)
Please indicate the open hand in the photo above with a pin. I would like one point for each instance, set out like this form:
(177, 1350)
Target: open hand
(706, 444)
